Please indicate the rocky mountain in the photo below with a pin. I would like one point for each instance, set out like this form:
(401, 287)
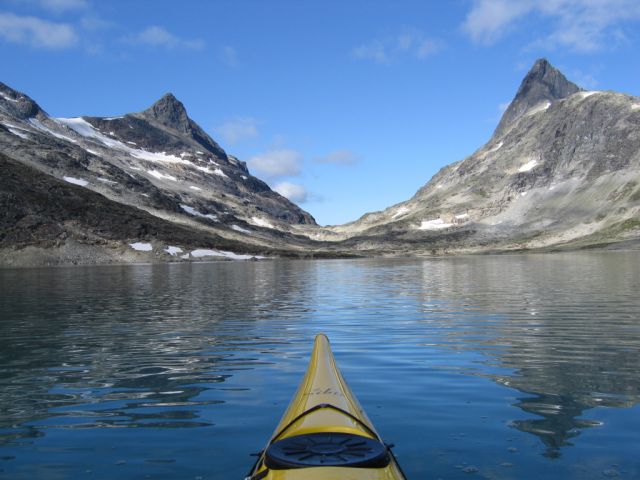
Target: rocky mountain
(562, 170)
(157, 162)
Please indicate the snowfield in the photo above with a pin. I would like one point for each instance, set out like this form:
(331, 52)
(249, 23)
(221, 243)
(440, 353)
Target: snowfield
(76, 181)
(436, 224)
(528, 166)
(141, 246)
(200, 253)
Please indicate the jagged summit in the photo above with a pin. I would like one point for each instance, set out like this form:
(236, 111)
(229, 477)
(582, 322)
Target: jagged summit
(170, 112)
(543, 83)
(169, 115)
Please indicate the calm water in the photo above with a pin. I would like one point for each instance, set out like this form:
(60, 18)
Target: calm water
(509, 367)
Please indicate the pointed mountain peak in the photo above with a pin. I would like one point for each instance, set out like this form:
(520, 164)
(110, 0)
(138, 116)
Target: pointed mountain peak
(543, 83)
(170, 112)
(169, 99)
(545, 79)
(540, 66)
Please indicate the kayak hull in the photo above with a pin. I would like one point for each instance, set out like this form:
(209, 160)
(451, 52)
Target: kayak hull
(325, 434)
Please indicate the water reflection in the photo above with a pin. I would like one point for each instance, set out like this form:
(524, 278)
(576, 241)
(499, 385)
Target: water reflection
(131, 346)
(566, 327)
(189, 366)
(559, 423)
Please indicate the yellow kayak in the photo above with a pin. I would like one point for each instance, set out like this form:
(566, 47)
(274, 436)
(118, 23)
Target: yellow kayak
(325, 434)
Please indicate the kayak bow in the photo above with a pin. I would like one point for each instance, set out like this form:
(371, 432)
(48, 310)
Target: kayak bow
(324, 433)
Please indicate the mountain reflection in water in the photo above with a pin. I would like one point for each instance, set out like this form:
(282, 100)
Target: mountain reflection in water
(180, 371)
(570, 337)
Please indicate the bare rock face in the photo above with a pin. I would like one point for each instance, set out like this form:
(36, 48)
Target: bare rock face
(543, 85)
(170, 112)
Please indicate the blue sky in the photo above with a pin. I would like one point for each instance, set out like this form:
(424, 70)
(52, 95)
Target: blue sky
(346, 106)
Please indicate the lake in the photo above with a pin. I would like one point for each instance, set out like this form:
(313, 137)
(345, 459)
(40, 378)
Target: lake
(496, 367)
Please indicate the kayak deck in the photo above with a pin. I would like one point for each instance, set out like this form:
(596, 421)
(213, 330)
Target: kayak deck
(324, 433)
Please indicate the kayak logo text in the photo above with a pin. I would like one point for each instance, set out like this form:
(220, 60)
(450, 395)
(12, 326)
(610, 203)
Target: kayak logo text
(325, 391)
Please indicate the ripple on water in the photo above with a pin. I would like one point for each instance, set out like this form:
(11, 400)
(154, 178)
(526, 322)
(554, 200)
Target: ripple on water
(492, 364)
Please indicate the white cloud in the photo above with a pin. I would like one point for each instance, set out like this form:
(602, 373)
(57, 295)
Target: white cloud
(490, 19)
(56, 6)
(579, 25)
(339, 157)
(374, 50)
(409, 43)
(584, 79)
(156, 36)
(292, 191)
(238, 130)
(229, 56)
(94, 23)
(36, 32)
(63, 5)
(277, 163)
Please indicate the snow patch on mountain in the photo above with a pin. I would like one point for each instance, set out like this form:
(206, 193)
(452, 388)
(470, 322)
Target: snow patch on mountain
(261, 222)
(586, 94)
(173, 250)
(76, 181)
(159, 157)
(85, 129)
(541, 107)
(200, 253)
(18, 132)
(240, 229)
(528, 166)
(9, 98)
(43, 128)
(495, 148)
(141, 246)
(106, 180)
(162, 176)
(400, 211)
(196, 213)
(435, 224)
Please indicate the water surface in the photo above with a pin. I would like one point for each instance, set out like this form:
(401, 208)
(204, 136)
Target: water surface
(500, 367)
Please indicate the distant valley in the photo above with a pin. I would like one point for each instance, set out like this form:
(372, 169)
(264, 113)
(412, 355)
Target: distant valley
(561, 171)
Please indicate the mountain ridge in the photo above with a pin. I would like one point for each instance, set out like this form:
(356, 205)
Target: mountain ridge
(562, 170)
